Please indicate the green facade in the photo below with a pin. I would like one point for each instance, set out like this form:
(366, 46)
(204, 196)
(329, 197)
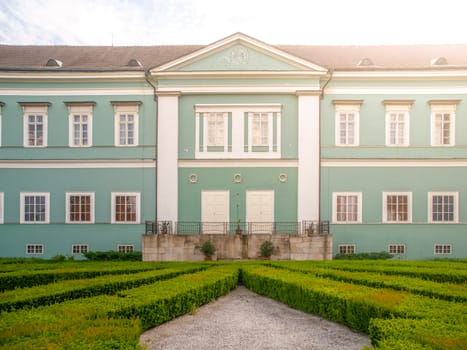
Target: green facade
(238, 77)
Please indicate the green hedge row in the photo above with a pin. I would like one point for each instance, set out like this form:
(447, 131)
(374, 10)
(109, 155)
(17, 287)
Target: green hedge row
(83, 288)
(410, 334)
(30, 278)
(113, 321)
(445, 291)
(346, 303)
(433, 273)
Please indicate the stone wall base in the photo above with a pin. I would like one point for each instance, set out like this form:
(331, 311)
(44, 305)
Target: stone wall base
(159, 247)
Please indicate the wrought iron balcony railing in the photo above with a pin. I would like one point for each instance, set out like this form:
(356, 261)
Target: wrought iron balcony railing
(243, 228)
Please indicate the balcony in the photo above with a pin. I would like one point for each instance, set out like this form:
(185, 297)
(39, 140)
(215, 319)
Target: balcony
(242, 228)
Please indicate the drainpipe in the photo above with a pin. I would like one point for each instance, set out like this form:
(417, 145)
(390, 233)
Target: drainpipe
(146, 77)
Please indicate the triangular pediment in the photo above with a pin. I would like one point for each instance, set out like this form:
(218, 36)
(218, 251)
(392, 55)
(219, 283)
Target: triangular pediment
(239, 52)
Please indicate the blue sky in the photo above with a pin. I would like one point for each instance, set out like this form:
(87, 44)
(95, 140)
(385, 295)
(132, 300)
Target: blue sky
(156, 22)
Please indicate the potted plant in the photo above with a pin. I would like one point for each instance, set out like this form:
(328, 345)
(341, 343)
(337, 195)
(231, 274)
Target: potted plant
(208, 249)
(266, 249)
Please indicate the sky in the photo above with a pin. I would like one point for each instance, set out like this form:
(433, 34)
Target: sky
(173, 22)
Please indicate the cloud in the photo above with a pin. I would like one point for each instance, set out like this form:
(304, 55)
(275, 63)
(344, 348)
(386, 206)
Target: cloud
(149, 22)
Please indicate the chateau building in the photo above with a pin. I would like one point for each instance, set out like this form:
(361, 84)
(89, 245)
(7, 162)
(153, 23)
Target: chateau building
(97, 141)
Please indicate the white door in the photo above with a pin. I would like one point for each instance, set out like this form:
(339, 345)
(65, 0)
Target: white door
(215, 211)
(260, 211)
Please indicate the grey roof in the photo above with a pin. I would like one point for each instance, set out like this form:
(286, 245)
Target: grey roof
(96, 58)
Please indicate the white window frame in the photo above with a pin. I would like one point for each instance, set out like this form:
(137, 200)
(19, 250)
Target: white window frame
(455, 196)
(409, 207)
(346, 247)
(35, 110)
(138, 207)
(68, 207)
(125, 248)
(264, 118)
(398, 109)
(241, 122)
(47, 207)
(130, 108)
(397, 247)
(35, 245)
(335, 195)
(80, 110)
(79, 249)
(2, 208)
(442, 246)
(435, 136)
(341, 108)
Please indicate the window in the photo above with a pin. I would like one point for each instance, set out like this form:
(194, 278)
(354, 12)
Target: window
(443, 123)
(347, 248)
(1, 207)
(126, 123)
(443, 249)
(260, 129)
(396, 249)
(397, 207)
(79, 208)
(125, 248)
(34, 208)
(397, 123)
(34, 249)
(237, 131)
(347, 122)
(35, 124)
(347, 207)
(80, 124)
(216, 129)
(443, 207)
(125, 208)
(79, 248)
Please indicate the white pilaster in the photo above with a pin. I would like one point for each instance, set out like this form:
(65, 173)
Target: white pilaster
(167, 156)
(308, 156)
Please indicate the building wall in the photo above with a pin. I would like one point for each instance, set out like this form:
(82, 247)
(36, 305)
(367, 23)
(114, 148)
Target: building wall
(372, 167)
(58, 168)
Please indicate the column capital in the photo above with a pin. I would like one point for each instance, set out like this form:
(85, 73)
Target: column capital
(168, 93)
(308, 92)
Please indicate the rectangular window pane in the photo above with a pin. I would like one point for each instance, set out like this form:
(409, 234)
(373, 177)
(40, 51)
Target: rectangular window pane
(397, 208)
(80, 208)
(125, 208)
(347, 208)
(260, 126)
(443, 208)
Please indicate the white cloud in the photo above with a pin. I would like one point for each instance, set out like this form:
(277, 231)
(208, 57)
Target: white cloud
(148, 22)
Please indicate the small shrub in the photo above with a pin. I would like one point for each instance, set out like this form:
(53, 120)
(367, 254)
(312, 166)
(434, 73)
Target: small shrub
(364, 256)
(208, 249)
(266, 249)
(58, 258)
(113, 255)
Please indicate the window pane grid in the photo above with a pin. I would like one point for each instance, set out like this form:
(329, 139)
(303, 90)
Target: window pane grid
(35, 129)
(396, 249)
(216, 129)
(443, 249)
(127, 129)
(80, 130)
(443, 208)
(35, 249)
(347, 208)
(80, 208)
(397, 208)
(34, 208)
(397, 128)
(125, 208)
(346, 249)
(346, 128)
(442, 128)
(125, 248)
(79, 248)
(260, 132)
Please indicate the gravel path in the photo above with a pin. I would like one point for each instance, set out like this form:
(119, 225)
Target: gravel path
(245, 320)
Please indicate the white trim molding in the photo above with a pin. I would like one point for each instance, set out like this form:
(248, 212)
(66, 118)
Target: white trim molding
(404, 163)
(46, 205)
(78, 164)
(113, 211)
(92, 206)
(398, 206)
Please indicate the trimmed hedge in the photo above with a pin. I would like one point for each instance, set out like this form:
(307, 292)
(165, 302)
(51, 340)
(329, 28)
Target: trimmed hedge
(114, 256)
(349, 304)
(30, 278)
(84, 288)
(113, 321)
(417, 334)
(445, 291)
